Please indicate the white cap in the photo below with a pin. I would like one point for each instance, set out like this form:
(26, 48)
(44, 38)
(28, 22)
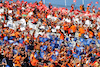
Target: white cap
(42, 27)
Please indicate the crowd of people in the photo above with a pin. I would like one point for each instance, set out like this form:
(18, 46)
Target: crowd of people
(36, 35)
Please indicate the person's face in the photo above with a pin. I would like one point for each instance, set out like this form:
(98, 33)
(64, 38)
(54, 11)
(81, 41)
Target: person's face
(32, 52)
(7, 55)
(10, 55)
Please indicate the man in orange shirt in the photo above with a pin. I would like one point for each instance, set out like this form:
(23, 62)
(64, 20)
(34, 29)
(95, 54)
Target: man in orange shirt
(61, 35)
(40, 3)
(73, 28)
(65, 27)
(81, 30)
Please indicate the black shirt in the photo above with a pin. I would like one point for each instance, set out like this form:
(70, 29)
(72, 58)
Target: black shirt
(9, 62)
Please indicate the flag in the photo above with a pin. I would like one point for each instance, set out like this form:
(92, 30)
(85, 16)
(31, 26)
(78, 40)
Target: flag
(89, 4)
(97, 2)
(1, 4)
(22, 1)
(11, 0)
(74, 0)
(99, 8)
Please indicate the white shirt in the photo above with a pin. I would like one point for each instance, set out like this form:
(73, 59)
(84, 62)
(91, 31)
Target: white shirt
(67, 20)
(30, 13)
(98, 27)
(9, 17)
(23, 24)
(87, 22)
(57, 27)
(1, 10)
(53, 30)
(9, 23)
(10, 11)
(42, 27)
(49, 16)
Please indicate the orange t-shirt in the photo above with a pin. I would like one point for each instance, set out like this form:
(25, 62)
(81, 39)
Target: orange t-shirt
(69, 65)
(18, 12)
(44, 23)
(17, 34)
(17, 61)
(91, 34)
(34, 62)
(99, 34)
(81, 30)
(62, 66)
(61, 36)
(40, 2)
(80, 7)
(65, 27)
(51, 65)
(98, 54)
(55, 15)
(73, 28)
(88, 8)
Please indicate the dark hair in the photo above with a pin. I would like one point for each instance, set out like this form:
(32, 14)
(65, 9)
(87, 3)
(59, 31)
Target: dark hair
(22, 49)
